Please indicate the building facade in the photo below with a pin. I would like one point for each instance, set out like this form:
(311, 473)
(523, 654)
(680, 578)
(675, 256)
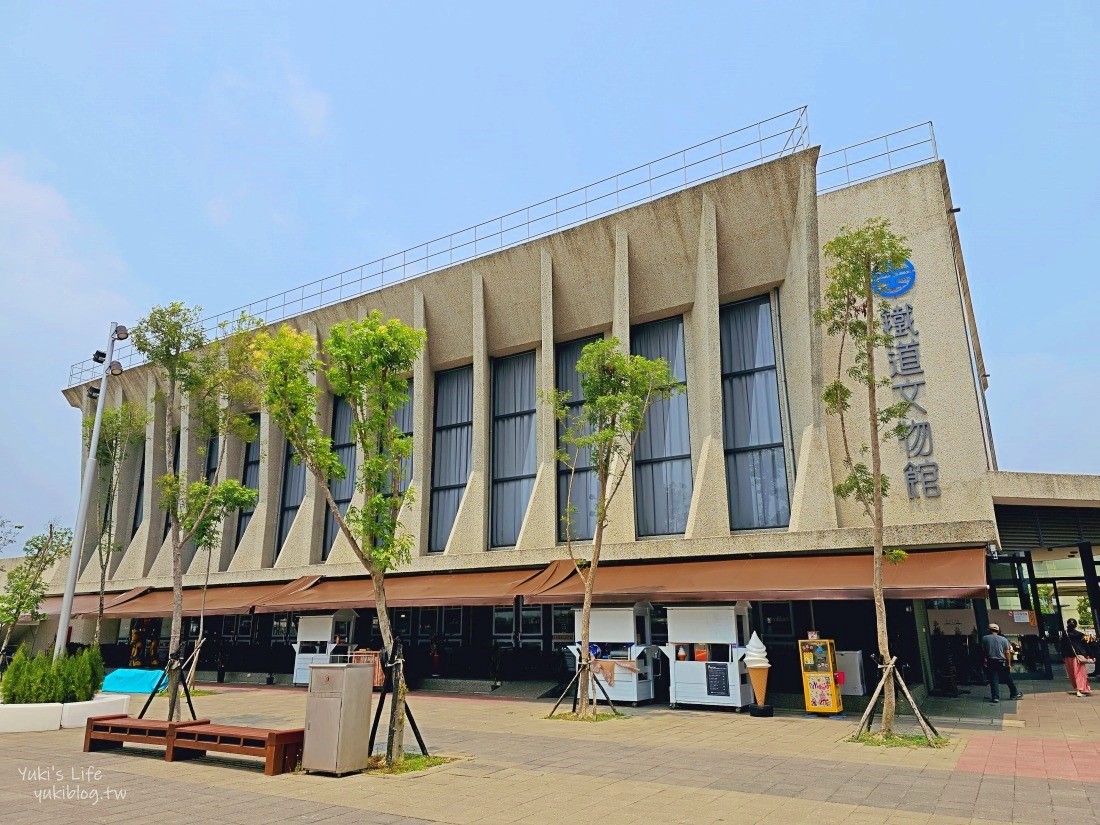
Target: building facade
(731, 494)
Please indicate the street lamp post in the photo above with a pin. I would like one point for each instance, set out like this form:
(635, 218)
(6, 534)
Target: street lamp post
(118, 333)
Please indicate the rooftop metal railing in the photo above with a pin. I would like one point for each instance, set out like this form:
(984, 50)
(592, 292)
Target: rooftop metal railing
(876, 157)
(749, 146)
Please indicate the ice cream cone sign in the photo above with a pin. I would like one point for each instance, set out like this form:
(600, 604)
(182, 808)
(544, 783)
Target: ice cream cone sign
(756, 662)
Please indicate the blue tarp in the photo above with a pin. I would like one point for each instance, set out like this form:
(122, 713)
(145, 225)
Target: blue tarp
(133, 680)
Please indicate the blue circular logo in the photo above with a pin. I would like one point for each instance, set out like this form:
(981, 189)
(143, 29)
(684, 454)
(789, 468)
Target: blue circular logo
(895, 282)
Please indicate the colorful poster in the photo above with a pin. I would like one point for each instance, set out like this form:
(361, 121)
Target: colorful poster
(819, 690)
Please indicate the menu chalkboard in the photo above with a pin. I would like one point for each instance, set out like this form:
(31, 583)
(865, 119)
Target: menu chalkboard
(718, 679)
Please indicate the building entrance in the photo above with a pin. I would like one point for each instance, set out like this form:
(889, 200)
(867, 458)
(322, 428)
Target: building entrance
(1032, 594)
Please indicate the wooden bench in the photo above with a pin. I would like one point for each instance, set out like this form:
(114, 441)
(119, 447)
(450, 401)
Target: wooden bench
(280, 749)
(109, 732)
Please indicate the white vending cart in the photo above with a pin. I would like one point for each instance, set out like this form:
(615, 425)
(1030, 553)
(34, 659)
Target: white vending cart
(621, 638)
(705, 651)
(315, 640)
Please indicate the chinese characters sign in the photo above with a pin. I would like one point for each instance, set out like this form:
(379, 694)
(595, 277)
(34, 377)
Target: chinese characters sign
(922, 471)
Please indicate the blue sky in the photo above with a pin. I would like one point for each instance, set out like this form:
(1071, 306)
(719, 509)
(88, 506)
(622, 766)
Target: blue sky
(216, 153)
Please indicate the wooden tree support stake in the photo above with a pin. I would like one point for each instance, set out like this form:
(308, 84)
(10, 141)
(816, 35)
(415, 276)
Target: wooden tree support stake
(890, 672)
(382, 702)
(574, 683)
(182, 684)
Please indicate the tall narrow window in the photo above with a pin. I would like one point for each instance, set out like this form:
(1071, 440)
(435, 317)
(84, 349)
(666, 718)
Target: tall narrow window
(402, 418)
(294, 490)
(584, 490)
(176, 467)
(514, 460)
(139, 499)
(343, 444)
(454, 404)
(212, 459)
(662, 456)
(250, 477)
(756, 471)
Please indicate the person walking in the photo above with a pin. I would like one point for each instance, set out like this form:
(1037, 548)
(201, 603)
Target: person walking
(1075, 656)
(998, 664)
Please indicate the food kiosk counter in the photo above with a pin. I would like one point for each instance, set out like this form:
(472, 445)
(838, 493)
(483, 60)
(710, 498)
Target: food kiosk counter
(706, 653)
(315, 640)
(624, 667)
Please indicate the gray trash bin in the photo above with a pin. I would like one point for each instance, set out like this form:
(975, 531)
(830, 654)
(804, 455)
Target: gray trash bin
(338, 718)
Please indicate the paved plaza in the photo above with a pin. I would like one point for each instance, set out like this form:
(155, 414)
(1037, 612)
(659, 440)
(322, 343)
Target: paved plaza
(1035, 761)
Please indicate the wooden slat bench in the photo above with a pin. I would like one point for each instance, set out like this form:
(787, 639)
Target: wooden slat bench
(109, 732)
(280, 749)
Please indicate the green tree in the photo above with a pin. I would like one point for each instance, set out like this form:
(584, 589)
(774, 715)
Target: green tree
(850, 312)
(214, 374)
(225, 498)
(121, 429)
(1084, 611)
(26, 584)
(14, 684)
(8, 532)
(1047, 603)
(618, 391)
(367, 364)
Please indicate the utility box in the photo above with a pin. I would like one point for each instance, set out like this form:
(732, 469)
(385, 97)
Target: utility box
(338, 718)
(850, 663)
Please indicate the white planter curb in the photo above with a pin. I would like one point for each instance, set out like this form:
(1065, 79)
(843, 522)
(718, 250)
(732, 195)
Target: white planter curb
(75, 714)
(17, 718)
(54, 715)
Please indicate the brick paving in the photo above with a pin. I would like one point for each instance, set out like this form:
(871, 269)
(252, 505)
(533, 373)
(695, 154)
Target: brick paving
(1036, 761)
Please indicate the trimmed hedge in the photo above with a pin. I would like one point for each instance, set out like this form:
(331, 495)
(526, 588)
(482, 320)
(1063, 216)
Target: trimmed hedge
(40, 679)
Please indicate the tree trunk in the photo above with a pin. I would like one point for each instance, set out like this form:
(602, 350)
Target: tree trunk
(177, 627)
(889, 693)
(395, 735)
(177, 560)
(586, 689)
(99, 612)
(7, 637)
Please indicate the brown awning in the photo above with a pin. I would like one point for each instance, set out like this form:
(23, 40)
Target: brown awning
(87, 604)
(219, 600)
(935, 574)
(486, 588)
(82, 603)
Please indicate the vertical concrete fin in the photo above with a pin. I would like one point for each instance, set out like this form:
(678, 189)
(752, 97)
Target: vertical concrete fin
(257, 547)
(539, 527)
(303, 541)
(89, 565)
(189, 469)
(813, 505)
(469, 535)
(621, 526)
(145, 542)
(125, 497)
(414, 515)
(708, 515)
(230, 466)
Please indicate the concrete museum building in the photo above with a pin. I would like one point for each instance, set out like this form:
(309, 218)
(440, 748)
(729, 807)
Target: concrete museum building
(710, 258)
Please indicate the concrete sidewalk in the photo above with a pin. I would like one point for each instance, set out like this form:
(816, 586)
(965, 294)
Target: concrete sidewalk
(1035, 761)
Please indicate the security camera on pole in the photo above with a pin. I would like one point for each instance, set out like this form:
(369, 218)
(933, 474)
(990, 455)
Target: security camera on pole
(118, 333)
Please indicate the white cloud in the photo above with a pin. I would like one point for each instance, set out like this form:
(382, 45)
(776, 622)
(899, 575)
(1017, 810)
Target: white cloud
(61, 286)
(310, 105)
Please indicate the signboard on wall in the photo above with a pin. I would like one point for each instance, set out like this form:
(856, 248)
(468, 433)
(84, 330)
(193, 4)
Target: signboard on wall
(921, 471)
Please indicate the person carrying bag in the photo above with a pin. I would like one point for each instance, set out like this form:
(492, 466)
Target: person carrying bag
(1075, 657)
